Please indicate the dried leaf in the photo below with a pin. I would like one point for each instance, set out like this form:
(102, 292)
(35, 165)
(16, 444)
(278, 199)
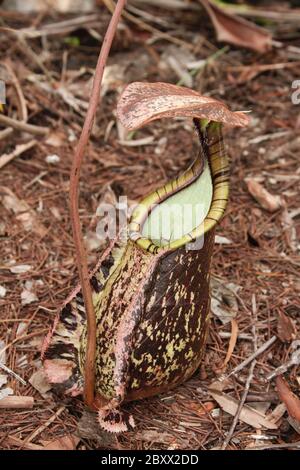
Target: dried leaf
(67, 442)
(286, 330)
(235, 30)
(28, 297)
(3, 229)
(201, 409)
(154, 436)
(93, 241)
(141, 103)
(291, 400)
(223, 302)
(277, 413)
(266, 200)
(56, 139)
(5, 392)
(52, 159)
(22, 327)
(261, 406)
(2, 292)
(289, 228)
(2, 352)
(104, 225)
(219, 240)
(248, 415)
(58, 370)
(63, 6)
(39, 381)
(23, 212)
(232, 342)
(20, 268)
(55, 212)
(113, 78)
(3, 380)
(23, 444)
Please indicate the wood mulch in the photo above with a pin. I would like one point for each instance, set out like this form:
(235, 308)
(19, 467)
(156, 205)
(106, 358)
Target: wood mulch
(48, 80)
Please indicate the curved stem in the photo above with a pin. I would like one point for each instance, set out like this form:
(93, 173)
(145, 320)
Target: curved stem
(82, 265)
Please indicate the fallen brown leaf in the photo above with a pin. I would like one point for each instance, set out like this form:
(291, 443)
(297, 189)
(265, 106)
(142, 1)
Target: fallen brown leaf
(17, 402)
(201, 409)
(291, 400)
(23, 444)
(286, 330)
(248, 415)
(56, 138)
(224, 303)
(39, 381)
(154, 436)
(235, 30)
(232, 342)
(23, 212)
(67, 442)
(266, 200)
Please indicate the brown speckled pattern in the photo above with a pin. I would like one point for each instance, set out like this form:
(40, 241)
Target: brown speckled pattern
(168, 340)
(152, 311)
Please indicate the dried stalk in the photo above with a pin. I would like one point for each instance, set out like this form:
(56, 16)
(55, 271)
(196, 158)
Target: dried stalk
(89, 372)
(23, 126)
(17, 402)
(253, 356)
(249, 379)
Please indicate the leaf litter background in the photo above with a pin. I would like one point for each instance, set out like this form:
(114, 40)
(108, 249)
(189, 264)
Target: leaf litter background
(48, 67)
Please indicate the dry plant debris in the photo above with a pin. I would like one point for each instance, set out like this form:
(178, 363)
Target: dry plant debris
(50, 59)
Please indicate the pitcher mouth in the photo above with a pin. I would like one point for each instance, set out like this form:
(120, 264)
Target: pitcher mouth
(198, 197)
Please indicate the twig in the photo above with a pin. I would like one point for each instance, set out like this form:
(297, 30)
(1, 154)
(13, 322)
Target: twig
(263, 68)
(17, 402)
(253, 356)
(23, 126)
(21, 338)
(248, 382)
(26, 49)
(5, 133)
(61, 27)
(11, 372)
(43, 426)
(12, 320)
(147, 27)
(18, 442)
(7, 157)
(82, 265)
(16, 84)
(290, 445)
(280, 16)
(232, 342)
(170, 4)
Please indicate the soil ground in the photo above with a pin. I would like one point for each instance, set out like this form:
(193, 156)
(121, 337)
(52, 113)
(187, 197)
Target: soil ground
(48, 79)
